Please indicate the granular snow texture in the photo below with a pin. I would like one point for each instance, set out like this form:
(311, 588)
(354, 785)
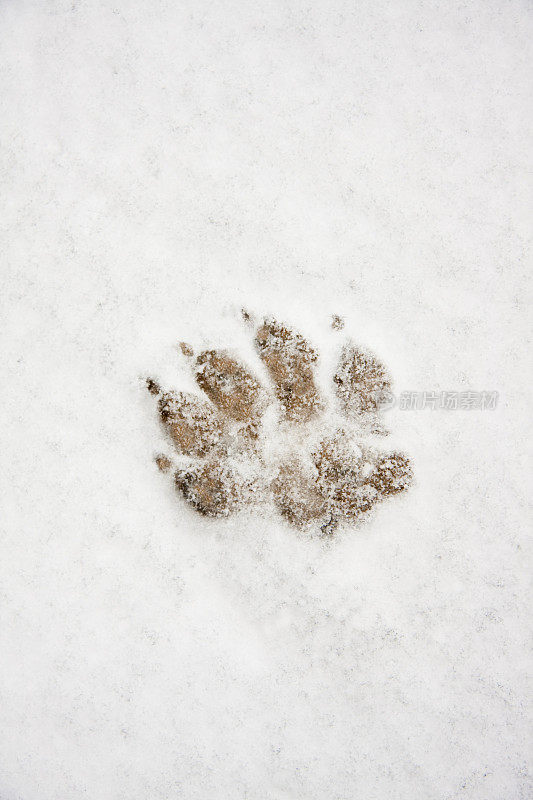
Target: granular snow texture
(165, 165)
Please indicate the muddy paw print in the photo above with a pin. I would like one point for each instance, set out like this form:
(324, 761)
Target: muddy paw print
(247, 444)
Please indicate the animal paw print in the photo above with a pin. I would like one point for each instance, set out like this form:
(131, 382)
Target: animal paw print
(243, 444)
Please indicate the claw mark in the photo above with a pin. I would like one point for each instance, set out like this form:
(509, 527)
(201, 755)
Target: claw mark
(235, 463)
(164, 464)
(152, 386)
(186, 349)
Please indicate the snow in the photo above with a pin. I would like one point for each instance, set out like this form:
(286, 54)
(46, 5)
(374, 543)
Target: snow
(163, 165)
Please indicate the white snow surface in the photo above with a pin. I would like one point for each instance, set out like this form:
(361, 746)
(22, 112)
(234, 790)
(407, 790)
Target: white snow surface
(163, 164)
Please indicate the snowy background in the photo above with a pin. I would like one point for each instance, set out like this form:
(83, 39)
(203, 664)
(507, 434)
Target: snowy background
(163, 164)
